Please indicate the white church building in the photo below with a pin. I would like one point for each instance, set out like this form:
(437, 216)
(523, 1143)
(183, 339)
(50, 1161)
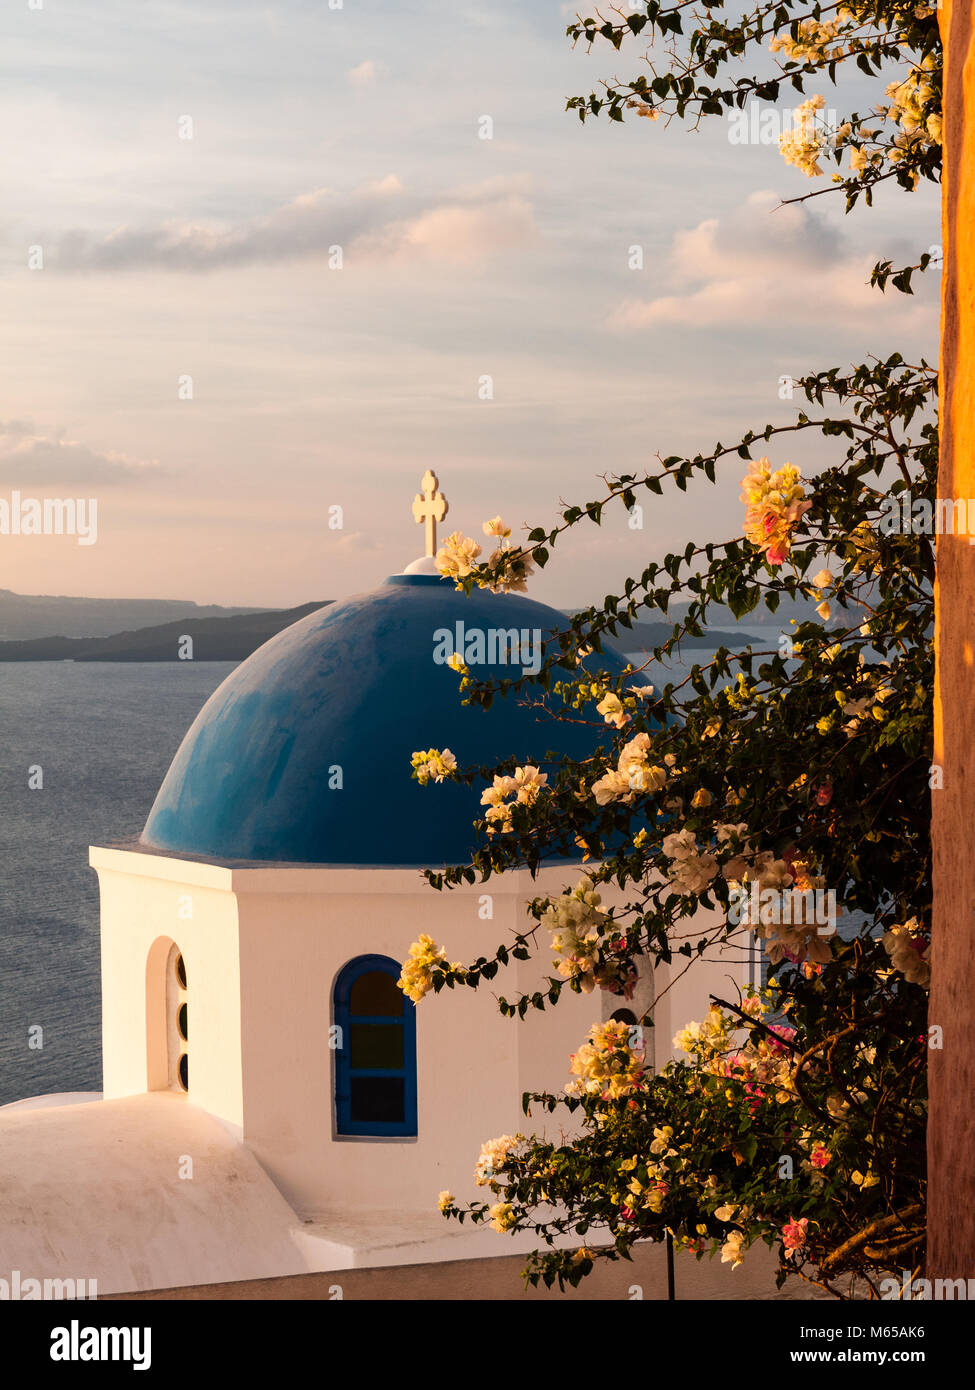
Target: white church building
(272, 1104)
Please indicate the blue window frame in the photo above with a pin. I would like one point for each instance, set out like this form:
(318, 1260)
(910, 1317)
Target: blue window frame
(375, 1066)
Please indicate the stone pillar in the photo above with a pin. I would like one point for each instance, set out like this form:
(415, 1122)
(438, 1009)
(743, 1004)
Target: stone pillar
(951, 1135)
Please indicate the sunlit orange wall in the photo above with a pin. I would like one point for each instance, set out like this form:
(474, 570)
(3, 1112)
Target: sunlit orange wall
(951, 1141)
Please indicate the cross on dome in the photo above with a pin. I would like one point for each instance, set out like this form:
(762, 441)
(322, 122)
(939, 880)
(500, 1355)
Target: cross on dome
(430, 506)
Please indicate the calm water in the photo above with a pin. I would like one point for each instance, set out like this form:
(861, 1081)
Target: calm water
(104, 735)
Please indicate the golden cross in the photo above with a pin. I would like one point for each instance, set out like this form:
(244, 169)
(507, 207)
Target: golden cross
(430, 506)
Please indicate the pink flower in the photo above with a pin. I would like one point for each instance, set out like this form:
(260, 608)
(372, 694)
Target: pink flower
(819, 1157)
(779, 1037)
(774, 506)
(794, 1234)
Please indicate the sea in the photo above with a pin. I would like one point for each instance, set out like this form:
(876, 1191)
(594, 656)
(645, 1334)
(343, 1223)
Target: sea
(95, 739)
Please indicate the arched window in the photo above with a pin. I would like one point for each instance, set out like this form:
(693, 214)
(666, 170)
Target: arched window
(375, 1056)
(623, 1016)
(167, 1023)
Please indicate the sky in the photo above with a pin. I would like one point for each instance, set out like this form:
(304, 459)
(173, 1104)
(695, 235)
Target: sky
(174, 177)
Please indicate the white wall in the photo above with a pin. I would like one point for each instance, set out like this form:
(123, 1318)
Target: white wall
(263, 947)
(145, 899)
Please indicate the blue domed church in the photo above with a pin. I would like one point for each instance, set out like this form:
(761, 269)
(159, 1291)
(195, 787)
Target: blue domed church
(272, 1103)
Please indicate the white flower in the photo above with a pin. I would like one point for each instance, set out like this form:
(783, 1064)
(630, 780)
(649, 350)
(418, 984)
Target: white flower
(903, 944)
(457, 555)
(679, 844)
(731, 1251)
(803, 144)
(611, 708)
(612, 786)
(771, 872)
(693, 874)
(524, 786)
(515, 567)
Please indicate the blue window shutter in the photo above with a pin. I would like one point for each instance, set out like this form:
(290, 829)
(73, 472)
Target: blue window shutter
(374, 1094)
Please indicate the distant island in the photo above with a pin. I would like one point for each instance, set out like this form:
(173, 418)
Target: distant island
(214, 639)
(36, 627)
(25, 616)
(645, 635)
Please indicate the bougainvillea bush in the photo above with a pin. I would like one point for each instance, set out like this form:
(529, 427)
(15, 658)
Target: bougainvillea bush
(763, 781)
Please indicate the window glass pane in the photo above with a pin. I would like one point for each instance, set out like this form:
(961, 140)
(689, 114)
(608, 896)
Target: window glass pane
(376, 993)
(376, 1045)
(377, 1098)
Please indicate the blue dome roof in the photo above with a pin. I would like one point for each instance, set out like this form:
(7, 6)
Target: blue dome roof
(355, 686)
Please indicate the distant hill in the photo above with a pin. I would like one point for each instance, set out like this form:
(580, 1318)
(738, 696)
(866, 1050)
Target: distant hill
(53, 628)
(646, 633)
(802, 609)
(24, 616)
(214, 639)
(723, 627)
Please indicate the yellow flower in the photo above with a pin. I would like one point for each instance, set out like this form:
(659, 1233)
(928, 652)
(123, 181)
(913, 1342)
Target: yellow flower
(445, 1200)
(502, 1216)
(611, 708)
(417, 976)
(457, 556)
(433, 765)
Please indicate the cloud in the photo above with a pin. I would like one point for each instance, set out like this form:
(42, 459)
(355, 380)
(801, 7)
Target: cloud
(31, 460)
(378, 219)
(765, 263)
(364, 75)
(461, 232)
(304, 227)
